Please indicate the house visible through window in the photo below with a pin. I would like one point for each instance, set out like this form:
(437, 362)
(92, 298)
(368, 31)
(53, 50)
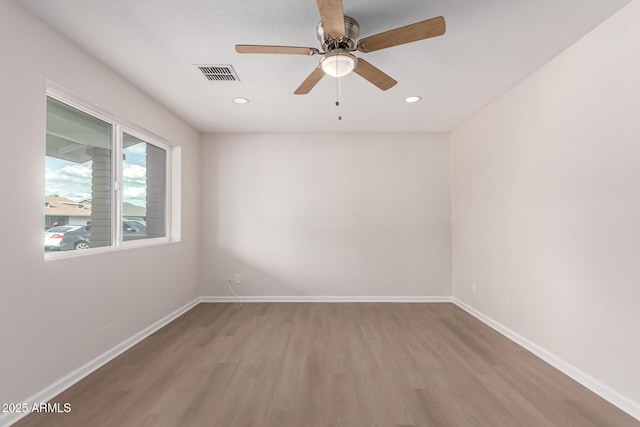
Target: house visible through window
(105, 184)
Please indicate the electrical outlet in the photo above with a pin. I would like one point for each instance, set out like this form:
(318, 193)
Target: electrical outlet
(238, 279)
(474, 288)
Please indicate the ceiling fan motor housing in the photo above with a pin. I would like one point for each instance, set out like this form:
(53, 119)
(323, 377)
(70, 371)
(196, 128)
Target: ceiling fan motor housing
(348, 42)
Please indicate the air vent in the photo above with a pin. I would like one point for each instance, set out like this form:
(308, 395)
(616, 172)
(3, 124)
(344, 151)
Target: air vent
(219, 73)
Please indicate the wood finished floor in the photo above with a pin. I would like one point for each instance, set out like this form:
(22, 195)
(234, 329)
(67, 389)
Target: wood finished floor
(295, 365)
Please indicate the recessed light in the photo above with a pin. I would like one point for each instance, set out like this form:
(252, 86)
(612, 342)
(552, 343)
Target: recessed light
(240, 100)
(412, 99)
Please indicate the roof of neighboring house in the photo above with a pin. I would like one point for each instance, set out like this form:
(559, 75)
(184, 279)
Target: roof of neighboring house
(131, 210)
(61, 206)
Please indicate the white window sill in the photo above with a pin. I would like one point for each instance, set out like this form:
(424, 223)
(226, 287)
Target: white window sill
(132, 244)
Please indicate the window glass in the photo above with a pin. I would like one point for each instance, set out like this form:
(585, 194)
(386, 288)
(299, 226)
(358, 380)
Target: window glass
(105, 182)
(78, 179)
(144, 189)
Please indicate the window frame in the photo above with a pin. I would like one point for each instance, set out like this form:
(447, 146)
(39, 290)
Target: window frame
(119, 127)
(120, 185)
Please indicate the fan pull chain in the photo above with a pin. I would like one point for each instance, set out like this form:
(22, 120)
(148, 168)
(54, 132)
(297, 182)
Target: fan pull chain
(338, 79)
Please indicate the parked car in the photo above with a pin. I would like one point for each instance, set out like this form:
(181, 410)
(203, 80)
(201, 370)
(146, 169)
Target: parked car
(71, 237)
(67, 238)
(133, 229)
(136, 222)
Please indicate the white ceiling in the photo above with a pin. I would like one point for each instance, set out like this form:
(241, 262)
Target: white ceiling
(489, 46)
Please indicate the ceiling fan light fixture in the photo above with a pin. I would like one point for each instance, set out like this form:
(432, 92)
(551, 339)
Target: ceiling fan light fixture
(338, 64)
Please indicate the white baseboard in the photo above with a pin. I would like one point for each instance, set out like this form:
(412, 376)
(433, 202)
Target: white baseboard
(325, 299)
(586, 380)
(602, 390)
(64, 383)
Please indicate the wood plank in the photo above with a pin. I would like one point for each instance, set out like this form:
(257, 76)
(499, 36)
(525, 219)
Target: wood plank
(321, 364)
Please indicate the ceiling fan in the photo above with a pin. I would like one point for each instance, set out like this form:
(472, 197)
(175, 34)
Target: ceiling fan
(338, 34)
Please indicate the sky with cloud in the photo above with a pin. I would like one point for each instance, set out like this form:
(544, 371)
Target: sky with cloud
(73, 180)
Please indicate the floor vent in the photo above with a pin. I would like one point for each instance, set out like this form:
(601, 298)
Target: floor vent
(219, 73)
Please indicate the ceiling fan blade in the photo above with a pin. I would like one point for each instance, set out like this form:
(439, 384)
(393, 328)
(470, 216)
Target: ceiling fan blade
(374, 75)
(310, 81)
(410, 33)
(332, 17)
(286, 50)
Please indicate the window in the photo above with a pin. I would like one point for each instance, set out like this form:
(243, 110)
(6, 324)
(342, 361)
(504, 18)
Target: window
(105, 181)
(144, 189)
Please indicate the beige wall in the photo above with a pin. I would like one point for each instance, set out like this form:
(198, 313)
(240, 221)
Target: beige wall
(327, 214)
(546, 207)
(58, 315)
(545, 188)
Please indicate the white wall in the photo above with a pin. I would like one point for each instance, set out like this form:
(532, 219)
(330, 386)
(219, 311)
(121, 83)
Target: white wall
(545, 213)
(546, 206)
(58, 315)
(311, 215)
